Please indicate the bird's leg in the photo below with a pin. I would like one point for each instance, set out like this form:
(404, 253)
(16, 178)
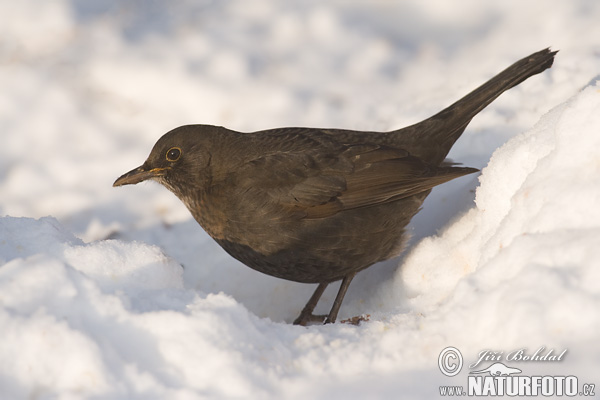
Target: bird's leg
(306, 315)
(339, 298)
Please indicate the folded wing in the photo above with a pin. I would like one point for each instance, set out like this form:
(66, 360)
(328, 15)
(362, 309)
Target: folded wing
(313, 183)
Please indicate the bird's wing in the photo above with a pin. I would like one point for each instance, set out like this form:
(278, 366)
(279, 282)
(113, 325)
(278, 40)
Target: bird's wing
(317, 182)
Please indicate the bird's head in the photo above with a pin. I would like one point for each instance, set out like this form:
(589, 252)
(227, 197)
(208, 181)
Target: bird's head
(180, 158)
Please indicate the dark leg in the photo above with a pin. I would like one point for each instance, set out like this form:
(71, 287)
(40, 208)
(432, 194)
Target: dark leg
(306, 315)
(339, 298)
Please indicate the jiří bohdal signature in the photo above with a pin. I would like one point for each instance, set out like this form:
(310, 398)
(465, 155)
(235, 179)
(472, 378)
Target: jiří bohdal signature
(518, 355)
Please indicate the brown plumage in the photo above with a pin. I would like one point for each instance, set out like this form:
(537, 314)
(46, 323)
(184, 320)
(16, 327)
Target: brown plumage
(316, 205)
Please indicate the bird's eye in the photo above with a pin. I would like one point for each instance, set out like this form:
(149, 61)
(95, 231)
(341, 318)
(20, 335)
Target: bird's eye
(173, 154)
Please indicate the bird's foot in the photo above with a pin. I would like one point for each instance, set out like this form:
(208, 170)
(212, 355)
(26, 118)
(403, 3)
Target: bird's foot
(306, 318)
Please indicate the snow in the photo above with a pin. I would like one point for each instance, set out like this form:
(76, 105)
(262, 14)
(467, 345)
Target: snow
(118, 293)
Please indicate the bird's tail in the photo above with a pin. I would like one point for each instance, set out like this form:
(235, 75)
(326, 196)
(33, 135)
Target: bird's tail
(445, 127)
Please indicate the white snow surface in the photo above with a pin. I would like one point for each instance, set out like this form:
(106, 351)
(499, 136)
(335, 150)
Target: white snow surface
(118, 294)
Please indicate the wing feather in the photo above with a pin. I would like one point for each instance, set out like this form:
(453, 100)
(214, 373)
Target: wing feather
(316, 179)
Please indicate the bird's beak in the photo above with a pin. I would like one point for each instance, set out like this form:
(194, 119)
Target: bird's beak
(138, 175)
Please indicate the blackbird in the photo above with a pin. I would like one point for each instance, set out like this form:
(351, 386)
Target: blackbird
(317, 205)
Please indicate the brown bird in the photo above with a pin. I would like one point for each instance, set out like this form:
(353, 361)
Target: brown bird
(316, 205)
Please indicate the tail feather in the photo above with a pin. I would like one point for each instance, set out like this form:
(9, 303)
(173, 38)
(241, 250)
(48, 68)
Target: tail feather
(447, 125)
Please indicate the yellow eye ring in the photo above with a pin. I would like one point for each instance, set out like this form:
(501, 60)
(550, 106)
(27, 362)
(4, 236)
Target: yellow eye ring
(173, 154)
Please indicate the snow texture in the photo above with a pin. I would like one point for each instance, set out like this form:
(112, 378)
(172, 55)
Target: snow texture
(118, 294)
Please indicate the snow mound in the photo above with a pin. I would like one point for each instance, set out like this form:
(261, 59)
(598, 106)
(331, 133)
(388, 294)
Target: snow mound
(517, 266)
(536, 205)
(111, 264)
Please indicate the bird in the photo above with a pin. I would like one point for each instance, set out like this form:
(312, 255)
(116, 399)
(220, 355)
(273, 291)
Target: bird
(317, 205)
